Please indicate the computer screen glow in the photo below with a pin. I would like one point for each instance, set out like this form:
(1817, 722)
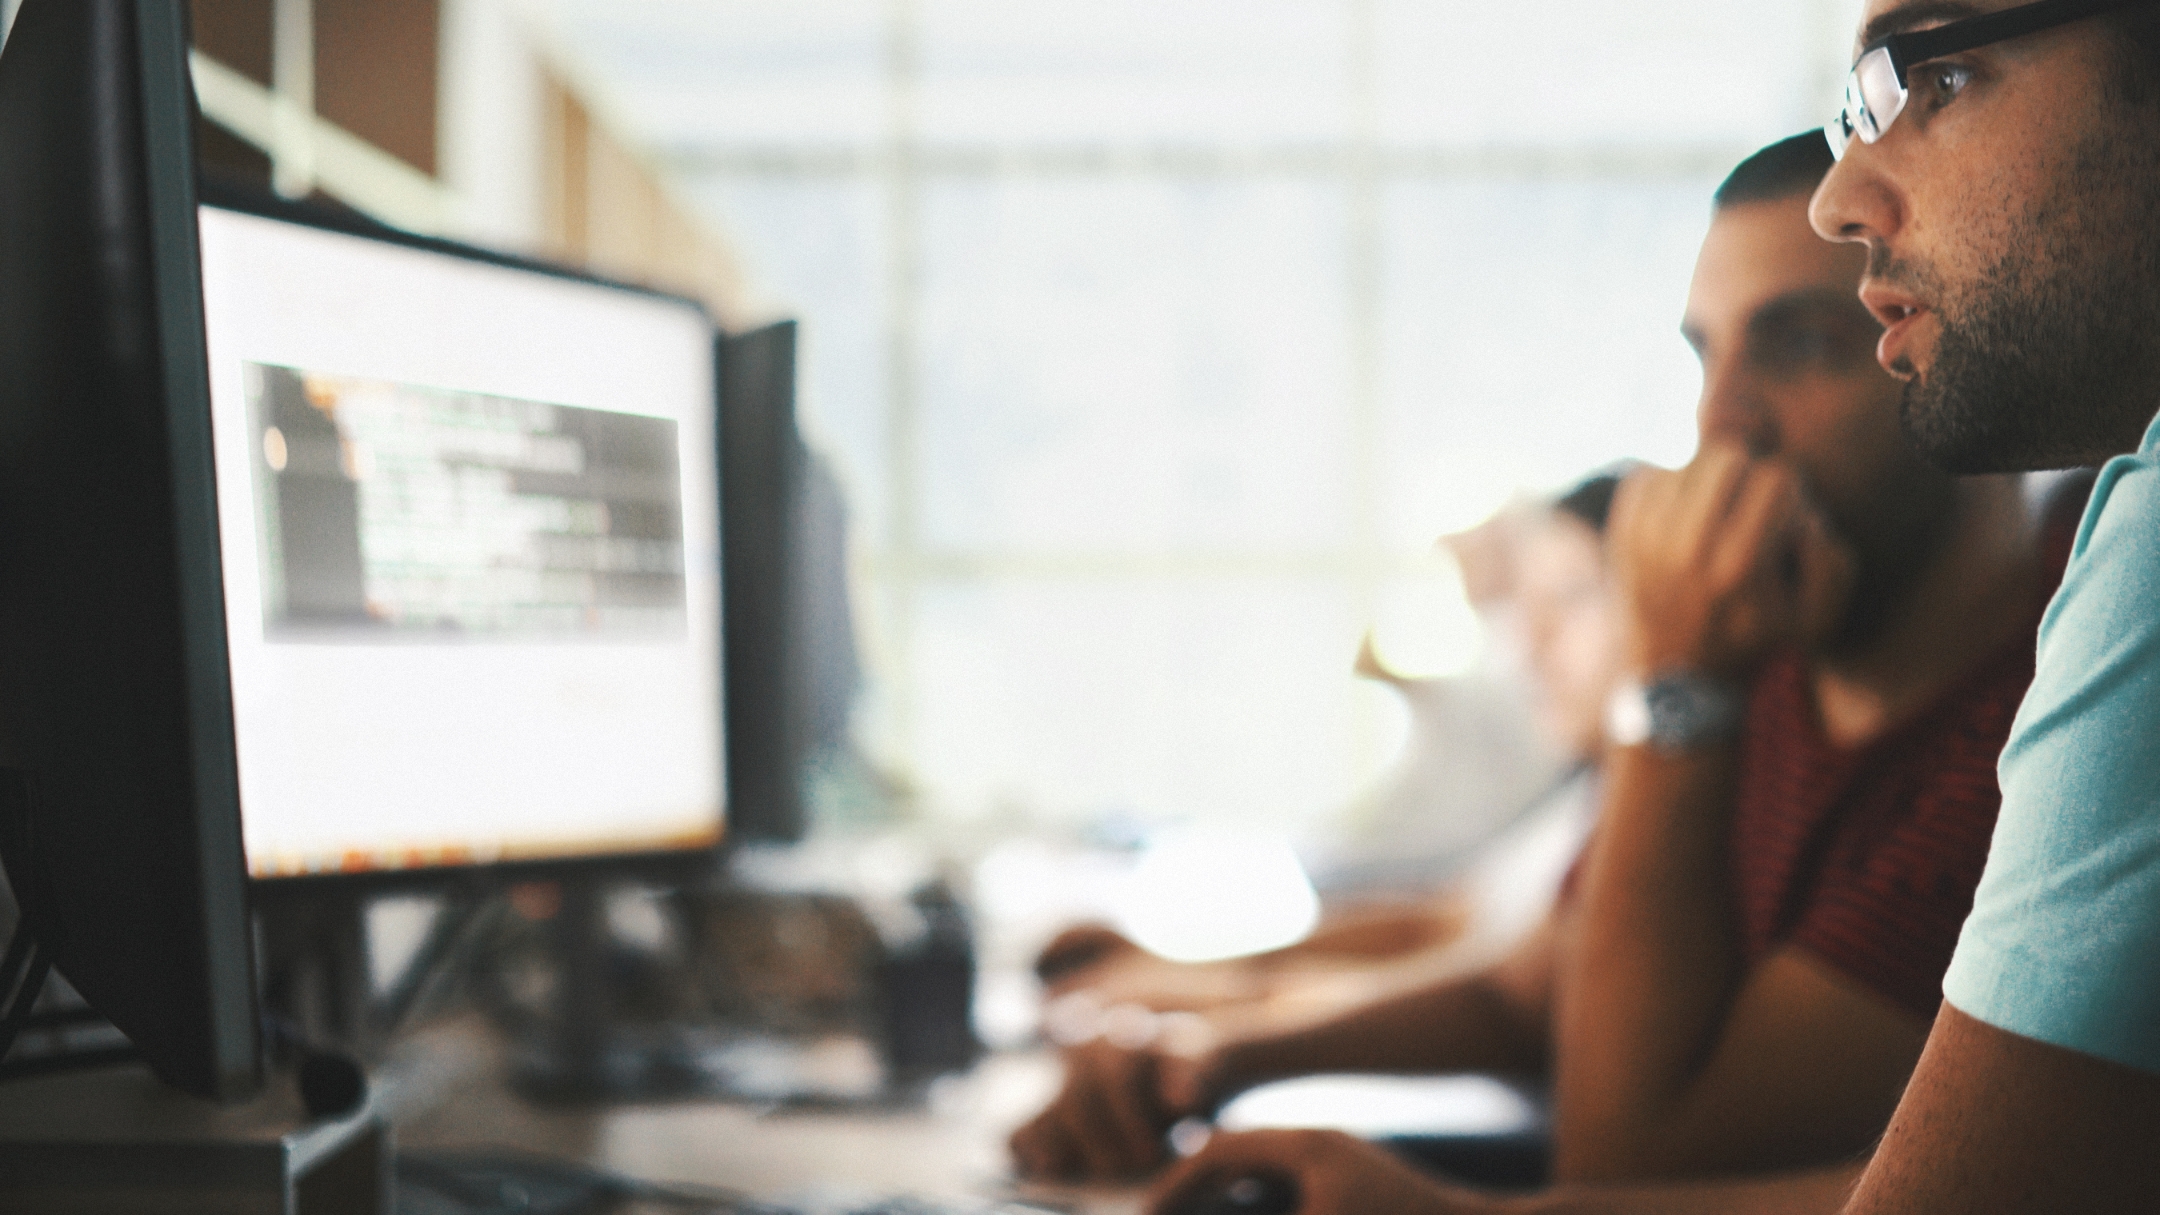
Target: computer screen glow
(468, 518)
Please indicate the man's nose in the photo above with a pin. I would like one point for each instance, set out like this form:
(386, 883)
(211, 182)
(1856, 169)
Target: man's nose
(1733, 411)
(1857, 200)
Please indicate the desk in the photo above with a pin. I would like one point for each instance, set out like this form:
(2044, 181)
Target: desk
(446, 1091)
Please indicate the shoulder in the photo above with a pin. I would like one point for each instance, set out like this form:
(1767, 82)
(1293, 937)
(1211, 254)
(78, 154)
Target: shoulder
(2116, 535)
(2060, 943)
(2099, 643)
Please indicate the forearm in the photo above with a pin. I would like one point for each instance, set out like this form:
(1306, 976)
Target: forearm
(1820, 1192)
(1478, 1023)
(1374, 932)
(1997, 1124)
(1647, 981)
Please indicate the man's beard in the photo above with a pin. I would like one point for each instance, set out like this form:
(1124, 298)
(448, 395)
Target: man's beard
(1894, 537)
(2053, 359)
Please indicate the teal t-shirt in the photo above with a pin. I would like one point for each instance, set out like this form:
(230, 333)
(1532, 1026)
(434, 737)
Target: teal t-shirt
(2063, 944)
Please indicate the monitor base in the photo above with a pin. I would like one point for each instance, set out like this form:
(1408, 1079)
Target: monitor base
(117, 1140)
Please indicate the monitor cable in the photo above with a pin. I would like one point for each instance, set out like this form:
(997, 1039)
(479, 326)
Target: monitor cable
(22, 979)
(467, 917)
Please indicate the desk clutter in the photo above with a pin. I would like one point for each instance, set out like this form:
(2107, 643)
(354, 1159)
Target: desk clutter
(727, 992)
(431, 1183)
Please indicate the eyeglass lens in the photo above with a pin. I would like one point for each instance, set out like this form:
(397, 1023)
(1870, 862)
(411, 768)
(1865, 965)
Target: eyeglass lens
(1874, 97)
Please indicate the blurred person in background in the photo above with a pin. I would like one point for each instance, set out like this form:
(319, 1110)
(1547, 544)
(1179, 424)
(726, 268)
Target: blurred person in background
(1824, 640)
(1537, 571)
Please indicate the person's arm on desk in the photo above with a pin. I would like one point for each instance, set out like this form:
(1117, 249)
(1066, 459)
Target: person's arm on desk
(1116, 1104)
(1672, 1057)
(1997, 1124)
(1102, 962)
(1335, 1174)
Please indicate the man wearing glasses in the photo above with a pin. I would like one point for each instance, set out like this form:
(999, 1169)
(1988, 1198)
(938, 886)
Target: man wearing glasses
(2001, 165)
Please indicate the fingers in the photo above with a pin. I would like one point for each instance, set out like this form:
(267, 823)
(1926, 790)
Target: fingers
(1801, 572)
(1185, 1083)
(1719, 562)
(1117, 1120)
(1077, 949)
(1106, 1123)
(1708, 487)
(1042, 1149)
(1188, 1185)
(1751, 551)
(1320, 1172)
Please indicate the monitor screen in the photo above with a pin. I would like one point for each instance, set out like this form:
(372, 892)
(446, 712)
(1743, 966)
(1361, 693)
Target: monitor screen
(468, 521)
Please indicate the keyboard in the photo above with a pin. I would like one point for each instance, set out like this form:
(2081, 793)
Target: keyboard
(501, 1183)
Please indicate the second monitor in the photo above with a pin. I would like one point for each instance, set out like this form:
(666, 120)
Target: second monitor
(468, 521)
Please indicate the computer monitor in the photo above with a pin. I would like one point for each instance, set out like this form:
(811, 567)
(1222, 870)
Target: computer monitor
(120, 819)
(761, 482)
(327, 553)
(793, 670)
(468, 515)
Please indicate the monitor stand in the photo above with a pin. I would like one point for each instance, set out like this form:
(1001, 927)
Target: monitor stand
(317, 990)
(314, 969)
(580, 1051)
(572, 1055)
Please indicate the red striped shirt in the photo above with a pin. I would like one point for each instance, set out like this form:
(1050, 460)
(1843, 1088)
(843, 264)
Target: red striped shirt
(1867, 858)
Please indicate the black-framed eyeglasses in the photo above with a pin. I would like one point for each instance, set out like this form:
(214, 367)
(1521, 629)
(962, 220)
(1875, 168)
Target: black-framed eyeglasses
(1875, 92)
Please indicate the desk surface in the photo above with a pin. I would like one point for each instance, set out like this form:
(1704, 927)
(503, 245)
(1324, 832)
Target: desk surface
(953, 1147)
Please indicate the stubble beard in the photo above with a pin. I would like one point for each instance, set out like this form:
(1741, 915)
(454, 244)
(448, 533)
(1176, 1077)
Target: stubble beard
(2052, 359)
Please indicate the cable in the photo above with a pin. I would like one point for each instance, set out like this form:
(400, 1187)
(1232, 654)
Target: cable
(11, 966)
(18, 1011)
(449, 936)
(23, 972)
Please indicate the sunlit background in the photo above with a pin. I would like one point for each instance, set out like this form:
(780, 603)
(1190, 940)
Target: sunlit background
(1152, 343)
(1156, 340)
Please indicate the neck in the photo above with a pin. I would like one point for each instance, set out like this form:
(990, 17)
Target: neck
(1971, 596)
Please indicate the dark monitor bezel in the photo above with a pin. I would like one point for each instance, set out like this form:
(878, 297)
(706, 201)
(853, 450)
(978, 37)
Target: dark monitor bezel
(663, 865)
(122, 823)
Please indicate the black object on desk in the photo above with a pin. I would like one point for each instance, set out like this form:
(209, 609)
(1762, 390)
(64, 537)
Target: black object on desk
(1520, 1160)
(928, 992)
(1255, 1194)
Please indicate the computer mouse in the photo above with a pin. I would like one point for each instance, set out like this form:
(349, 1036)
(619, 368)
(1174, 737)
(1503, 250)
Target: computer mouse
(1254, 1194)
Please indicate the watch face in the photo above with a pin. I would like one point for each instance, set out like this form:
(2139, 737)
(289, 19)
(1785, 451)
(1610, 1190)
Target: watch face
(1687, 710)
(1674, 712)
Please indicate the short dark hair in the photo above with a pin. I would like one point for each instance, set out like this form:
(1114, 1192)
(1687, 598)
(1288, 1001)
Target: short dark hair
(1785, 168)
(1590, 499)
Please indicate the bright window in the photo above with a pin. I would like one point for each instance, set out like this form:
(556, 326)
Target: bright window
(1156, 340)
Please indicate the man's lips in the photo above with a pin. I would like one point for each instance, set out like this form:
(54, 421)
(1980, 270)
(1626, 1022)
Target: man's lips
(1899, 313)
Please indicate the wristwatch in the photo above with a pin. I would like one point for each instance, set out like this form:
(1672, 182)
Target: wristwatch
(1675, 711)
